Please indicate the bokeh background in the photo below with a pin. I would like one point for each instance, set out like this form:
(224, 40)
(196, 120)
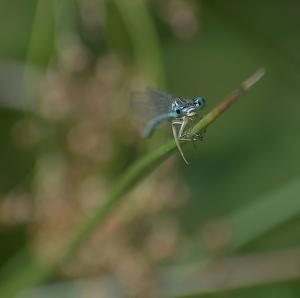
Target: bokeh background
(227, 225)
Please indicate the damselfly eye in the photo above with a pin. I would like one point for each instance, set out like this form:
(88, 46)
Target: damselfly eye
(199, 102)
(178, 111)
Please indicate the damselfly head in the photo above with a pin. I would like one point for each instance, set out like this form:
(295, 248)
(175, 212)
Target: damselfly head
(181, 107)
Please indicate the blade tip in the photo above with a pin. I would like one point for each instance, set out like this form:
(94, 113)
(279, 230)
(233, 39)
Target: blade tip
(254, 78)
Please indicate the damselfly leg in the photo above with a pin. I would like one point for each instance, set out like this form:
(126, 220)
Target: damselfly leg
(182, 122)
(193, 136)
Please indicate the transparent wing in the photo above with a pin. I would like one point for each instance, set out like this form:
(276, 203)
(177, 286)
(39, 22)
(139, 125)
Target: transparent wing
(161, 100)
(149, 104)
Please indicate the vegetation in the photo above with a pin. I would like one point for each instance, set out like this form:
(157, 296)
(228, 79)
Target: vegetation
(224, 226)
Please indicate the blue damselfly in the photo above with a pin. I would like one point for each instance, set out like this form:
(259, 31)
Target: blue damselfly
(155, 107)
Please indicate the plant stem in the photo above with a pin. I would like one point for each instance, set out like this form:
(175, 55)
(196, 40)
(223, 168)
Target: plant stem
(139, 24)
(32, 274)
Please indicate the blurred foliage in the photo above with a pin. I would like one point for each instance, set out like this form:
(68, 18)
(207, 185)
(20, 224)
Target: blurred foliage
(66, 69)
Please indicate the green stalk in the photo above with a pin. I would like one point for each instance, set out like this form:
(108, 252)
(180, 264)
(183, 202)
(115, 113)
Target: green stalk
(139, 25)
(32, 274)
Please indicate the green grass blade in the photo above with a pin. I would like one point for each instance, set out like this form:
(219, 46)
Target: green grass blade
(265, 214)
(139, 25)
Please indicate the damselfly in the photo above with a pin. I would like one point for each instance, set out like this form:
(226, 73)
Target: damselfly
(155, 107)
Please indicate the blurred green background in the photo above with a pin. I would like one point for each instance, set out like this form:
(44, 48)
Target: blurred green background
(66, 69)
